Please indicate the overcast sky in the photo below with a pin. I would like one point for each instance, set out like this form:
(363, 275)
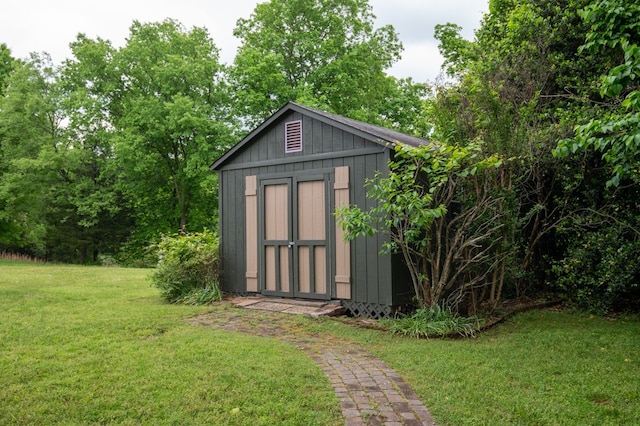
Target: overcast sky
(49, 26)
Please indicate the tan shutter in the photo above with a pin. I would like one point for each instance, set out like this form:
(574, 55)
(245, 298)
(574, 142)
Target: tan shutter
(251, 198)
(343, 250)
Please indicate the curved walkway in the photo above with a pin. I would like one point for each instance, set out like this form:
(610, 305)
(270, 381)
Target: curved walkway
(370, 392)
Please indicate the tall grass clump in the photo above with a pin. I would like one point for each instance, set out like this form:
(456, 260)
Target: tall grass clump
(19, 257)
(433, 321)
(187, 269)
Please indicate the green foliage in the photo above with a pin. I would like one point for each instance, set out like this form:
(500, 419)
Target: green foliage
(7, 64)
(601, 240)
(454, 49)
(531, 86)
(433, 321)
(615, 132)
(172, 106)
(58, 197)
(326, 54)
(187, 270)
(600, 271)
(436, 209)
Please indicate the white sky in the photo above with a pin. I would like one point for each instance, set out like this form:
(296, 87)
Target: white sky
(50, 25)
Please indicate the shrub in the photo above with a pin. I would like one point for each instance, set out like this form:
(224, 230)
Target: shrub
(434, 321)
(107, 260)
(187, 270)
(600, 271)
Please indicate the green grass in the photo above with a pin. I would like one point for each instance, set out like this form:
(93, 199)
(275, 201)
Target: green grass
(89, 345)
(539, 368)
(83, 345)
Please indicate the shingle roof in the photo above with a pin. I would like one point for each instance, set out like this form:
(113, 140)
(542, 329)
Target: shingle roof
(377, 134)
(387, 135)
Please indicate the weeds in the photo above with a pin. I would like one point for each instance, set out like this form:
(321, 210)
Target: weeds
(19, 257)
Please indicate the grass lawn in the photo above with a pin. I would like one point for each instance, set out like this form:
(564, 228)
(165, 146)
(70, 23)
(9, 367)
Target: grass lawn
(82, 345)
(88, 345)
(538, 368)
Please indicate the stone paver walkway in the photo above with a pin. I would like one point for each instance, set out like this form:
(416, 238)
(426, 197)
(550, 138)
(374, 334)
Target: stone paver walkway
(370, 392)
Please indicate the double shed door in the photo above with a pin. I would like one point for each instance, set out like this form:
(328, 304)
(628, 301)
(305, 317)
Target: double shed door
(294, 239)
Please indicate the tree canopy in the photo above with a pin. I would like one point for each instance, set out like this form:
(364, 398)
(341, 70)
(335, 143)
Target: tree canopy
(120, 141)
(326, 54)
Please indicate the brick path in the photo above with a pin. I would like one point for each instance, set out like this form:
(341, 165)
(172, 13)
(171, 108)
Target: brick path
(370, 392)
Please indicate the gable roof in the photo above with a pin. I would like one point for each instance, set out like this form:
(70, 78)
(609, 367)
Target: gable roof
(380, 135)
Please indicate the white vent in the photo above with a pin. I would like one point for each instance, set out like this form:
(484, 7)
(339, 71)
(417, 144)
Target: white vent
(293, 136)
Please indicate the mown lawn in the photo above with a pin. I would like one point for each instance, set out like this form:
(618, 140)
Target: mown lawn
(88, 345)
(539, 368)
(82, 345)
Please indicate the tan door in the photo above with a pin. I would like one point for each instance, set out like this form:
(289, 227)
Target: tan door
(311, 240)
(294, 252)
(277, 243)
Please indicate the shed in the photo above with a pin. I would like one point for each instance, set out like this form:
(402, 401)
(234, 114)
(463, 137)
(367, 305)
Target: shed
(279, 187)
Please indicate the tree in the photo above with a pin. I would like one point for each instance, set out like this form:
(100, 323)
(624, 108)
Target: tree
(95, 203)
(615, 133)
(58, 200)
(30, 123)
(162, 103)
(116, 143)
(529, 80)
(437, 207)
(519, 87)
(323, 53)
(7, 64)
(172, 125)
(6, 68)
(602, 235)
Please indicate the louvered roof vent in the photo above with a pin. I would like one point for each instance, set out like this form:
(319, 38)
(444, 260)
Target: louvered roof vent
(293, 136)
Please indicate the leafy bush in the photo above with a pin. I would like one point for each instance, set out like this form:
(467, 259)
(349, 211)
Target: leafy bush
(600, 271)
(187, 270)
(434, 321)
(107, 260)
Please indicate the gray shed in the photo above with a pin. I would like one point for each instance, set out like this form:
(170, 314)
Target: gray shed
(279, 187)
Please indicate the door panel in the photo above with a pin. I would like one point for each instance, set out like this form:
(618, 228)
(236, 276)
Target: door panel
(320, 269)
(285, 253)
(311, 210)
(276, 211)
(304, 281)
(270, 268)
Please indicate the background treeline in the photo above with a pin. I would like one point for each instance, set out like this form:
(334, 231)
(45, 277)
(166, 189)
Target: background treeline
(103, 154)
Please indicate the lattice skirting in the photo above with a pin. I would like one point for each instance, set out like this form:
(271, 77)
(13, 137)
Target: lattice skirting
(368, 310)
